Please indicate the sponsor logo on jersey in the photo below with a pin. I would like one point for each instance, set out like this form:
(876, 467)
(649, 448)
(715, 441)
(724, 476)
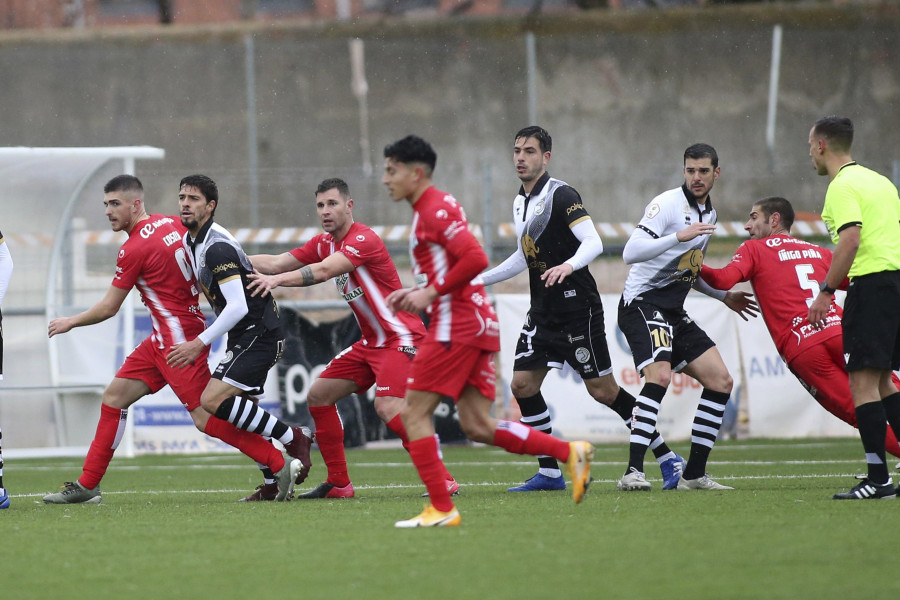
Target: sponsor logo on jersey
(121, 252)
(441, 214)
(529, 247)
(689, 265)
(411, 350)
(574, 207)
(569, 294)
(382, 388)
(773, 242)
(353, 294)
(575, 338)
(582, 354)
(352, 250)
(360, 238)
(224, 267)
(150, 228)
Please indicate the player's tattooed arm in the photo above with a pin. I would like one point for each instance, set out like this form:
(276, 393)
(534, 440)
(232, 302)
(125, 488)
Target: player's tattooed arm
(307, 277)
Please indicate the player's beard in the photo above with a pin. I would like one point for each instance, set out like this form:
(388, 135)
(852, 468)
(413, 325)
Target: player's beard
(189, 222)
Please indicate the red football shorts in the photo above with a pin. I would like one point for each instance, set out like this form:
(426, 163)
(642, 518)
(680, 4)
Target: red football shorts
(386, 368)
(820, 369)
(147, 363)
(448, 369)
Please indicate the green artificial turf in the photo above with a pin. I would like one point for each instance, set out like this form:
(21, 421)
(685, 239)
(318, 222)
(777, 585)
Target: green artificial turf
(170, 527)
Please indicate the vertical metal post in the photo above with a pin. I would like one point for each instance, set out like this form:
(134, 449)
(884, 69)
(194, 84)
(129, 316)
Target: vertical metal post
(774, 73)
(531, 69)
(128, 342)
(360, 88)
(252, 153)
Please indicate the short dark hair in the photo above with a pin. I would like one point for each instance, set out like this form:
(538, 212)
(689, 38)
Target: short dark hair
(123, 183)
(334, 183)
(412, 149)
(697, 151)
(777, 204)
(837, 130)
(545, 142)
(206, 186)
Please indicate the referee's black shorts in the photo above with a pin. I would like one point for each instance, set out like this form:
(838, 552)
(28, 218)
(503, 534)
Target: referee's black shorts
(872, 322)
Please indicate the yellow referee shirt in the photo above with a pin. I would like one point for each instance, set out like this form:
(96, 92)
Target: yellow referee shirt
(860, 196)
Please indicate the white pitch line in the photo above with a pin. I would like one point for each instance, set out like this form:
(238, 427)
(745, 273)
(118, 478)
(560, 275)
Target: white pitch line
(447, 463)
(464, 485)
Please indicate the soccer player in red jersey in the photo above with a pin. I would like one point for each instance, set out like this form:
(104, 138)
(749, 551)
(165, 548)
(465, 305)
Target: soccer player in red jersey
(153, 260)
(358, 261)
(786, 274)
(457, 357)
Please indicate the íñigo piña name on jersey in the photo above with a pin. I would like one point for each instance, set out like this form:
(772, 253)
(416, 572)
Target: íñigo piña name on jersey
(784, 255)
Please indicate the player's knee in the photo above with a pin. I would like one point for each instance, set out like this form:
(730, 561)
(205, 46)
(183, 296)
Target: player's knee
(605, 391)
(522, 388)
(388, 407)
(721, 382)
(200, 418)
(660, 377)
(315, 398)
(210, 402)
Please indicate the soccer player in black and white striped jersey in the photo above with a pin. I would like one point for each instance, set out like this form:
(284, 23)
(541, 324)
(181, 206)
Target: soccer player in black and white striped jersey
(666, 252)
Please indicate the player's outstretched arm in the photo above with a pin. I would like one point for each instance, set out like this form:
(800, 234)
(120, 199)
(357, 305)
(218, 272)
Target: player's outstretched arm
(272, 264)
(107, 307)
(512, 266)
(722, 279)
(332, 266)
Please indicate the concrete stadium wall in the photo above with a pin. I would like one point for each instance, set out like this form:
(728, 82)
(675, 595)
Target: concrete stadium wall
(623, 93)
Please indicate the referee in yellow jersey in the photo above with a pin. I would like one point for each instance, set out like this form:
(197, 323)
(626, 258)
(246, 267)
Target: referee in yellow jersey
(862, 213)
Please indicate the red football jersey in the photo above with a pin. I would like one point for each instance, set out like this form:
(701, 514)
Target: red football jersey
(366, 287)
(154, 260)
(785, 273)
(439, 236)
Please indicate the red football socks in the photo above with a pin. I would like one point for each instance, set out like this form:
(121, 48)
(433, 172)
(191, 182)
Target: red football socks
(255, 446)
(110, 428)
(330, 438)
(521, 439)
(424, 454)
